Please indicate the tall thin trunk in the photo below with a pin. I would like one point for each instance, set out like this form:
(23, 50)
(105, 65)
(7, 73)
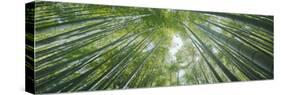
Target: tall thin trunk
(208, 63)
(257, 57)
(266, 26)
(218, 62)
(141, 65)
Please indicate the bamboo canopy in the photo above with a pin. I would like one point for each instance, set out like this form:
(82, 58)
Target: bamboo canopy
(83, 47)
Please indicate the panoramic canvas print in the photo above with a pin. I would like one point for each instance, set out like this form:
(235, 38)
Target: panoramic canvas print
(73, 47)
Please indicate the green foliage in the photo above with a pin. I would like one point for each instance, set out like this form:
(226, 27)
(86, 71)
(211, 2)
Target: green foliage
(82, 47)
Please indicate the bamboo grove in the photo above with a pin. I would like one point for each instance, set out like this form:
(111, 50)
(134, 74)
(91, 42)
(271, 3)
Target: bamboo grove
(81, 47)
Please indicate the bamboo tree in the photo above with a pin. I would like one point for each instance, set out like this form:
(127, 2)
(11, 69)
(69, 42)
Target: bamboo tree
(208, 63)
(259, 58)
(218, 62)
(140, 66)
(267, 26)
